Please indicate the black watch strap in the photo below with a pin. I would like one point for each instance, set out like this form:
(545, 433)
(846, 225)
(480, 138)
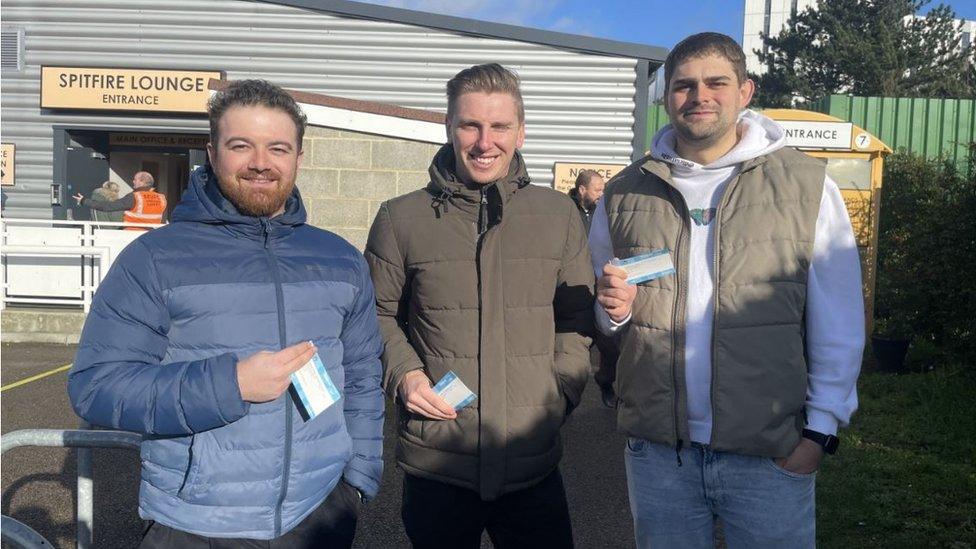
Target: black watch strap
(829, 443)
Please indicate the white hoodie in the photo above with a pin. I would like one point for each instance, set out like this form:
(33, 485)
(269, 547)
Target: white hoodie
(835, 305)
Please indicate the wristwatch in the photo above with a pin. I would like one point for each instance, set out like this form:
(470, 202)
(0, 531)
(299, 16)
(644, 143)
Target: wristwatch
(829, 443)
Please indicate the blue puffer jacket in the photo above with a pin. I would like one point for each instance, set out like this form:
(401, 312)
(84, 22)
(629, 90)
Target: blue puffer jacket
(180, 306)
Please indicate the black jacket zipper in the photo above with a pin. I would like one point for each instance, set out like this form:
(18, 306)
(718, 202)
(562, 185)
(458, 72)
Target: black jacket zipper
(282, 342)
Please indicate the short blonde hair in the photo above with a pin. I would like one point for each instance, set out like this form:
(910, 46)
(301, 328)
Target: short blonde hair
(487, 78)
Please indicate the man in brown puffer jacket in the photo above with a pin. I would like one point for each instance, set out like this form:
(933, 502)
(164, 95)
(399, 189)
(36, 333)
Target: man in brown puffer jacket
(489, 277)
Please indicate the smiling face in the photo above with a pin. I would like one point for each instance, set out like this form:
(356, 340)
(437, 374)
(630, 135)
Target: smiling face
(256, 159)
(704, 99)
(485, 130)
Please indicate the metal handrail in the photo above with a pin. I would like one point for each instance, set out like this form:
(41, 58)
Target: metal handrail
(21, 535)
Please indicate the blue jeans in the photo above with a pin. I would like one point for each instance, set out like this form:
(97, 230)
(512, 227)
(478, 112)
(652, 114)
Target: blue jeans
(760, 504)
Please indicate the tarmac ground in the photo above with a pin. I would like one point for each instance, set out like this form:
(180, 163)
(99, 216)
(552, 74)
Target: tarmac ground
(39, 484)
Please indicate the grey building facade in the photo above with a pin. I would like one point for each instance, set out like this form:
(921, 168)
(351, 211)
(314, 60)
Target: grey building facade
(585, 98)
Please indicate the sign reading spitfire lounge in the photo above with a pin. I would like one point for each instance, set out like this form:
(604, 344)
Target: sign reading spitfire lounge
(125, 89)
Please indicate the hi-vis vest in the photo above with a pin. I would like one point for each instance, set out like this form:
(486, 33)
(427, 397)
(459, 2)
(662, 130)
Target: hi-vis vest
(149, 207)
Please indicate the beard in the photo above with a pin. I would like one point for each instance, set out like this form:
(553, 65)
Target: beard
(704, 134)
(255, 202)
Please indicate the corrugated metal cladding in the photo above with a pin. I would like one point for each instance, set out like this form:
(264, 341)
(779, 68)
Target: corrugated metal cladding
(579, 107)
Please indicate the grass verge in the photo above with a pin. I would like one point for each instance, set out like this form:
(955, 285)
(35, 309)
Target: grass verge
(905, 475)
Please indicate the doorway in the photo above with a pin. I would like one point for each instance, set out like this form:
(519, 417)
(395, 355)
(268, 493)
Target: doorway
(94, 157)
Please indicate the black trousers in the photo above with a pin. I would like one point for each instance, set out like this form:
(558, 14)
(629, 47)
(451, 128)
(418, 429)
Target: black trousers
(332, 524)
(438, 516)
(604, 362)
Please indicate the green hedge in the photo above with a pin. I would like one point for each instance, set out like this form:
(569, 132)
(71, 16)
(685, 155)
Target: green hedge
(926, 282)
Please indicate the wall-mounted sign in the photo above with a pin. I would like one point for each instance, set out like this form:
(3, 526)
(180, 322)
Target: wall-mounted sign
(7, 169)
(804, 134)
(177, 141)
(125, 89)
(565, 173)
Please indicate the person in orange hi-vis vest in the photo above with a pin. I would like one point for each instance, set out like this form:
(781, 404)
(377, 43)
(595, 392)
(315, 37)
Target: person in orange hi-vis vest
(142, 206)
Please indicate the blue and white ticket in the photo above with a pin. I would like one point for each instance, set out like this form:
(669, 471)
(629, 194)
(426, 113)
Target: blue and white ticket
(314, 387)
(649, 266)
(454, 391)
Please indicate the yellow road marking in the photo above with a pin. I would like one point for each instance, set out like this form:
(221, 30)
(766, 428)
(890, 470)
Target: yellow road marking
(35, 378)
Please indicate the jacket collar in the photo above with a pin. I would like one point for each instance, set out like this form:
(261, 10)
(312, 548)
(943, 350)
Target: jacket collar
(662, 169)
(203, 202)
(447, 188)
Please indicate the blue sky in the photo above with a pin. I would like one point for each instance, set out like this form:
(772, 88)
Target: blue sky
(654, 22)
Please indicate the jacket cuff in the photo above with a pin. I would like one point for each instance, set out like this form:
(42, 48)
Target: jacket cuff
(230, 403)
(354, 476)
(821, 422)
(393, 388)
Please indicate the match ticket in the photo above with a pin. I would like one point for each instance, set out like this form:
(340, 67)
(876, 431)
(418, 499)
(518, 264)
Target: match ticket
(314, 388)
(650, 266)
(454, 391)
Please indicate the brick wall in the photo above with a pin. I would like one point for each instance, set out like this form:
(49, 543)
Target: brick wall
(345, 176)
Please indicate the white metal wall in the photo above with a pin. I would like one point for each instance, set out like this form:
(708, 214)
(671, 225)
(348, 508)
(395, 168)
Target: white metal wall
(579, 107)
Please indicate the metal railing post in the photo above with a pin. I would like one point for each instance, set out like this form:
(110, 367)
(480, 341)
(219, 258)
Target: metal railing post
(86, 496)
(21, 535)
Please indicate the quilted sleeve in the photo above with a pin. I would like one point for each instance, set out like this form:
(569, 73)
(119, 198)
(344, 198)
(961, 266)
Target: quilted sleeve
(392, 292)
(118, 379)
(363, 397)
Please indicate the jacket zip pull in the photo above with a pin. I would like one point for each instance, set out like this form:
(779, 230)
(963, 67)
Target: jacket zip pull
(483, 214)
(677, 451)
(266, 226)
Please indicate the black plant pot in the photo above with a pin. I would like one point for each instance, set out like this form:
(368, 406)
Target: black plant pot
(890, 353)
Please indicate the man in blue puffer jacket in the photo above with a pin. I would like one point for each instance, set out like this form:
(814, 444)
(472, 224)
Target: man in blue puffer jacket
(196, 329)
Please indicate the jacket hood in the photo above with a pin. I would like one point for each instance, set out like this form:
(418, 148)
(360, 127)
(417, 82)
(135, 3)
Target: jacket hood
(203, 202)
(758, 135)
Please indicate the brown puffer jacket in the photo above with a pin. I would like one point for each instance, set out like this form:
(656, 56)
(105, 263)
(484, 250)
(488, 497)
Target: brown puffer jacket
(493, 283)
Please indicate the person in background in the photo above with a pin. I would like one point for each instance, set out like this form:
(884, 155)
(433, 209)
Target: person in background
(586, 192)
(108, 192)
(143, 206)
(603, 355)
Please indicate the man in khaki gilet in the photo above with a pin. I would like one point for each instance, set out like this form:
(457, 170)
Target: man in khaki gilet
(741, 347)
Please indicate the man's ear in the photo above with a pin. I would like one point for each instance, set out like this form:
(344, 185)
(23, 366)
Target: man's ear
(301, 155)
(521, 136)
(211, 154)
(746, 90)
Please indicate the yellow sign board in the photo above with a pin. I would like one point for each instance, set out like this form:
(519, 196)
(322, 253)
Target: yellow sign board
(180, 141)
(125, 89)
(7, 169)
(565, 173)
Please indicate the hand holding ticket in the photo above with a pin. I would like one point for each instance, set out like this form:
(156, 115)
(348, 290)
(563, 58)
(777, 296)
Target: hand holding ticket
(454, 391)
(644, 267)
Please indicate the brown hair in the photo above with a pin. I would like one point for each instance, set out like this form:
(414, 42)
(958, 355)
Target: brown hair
(254, 92)
(702, 44)
(487, 78)
(584, 178)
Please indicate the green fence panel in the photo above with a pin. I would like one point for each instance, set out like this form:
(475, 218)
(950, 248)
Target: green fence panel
(930, 127)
